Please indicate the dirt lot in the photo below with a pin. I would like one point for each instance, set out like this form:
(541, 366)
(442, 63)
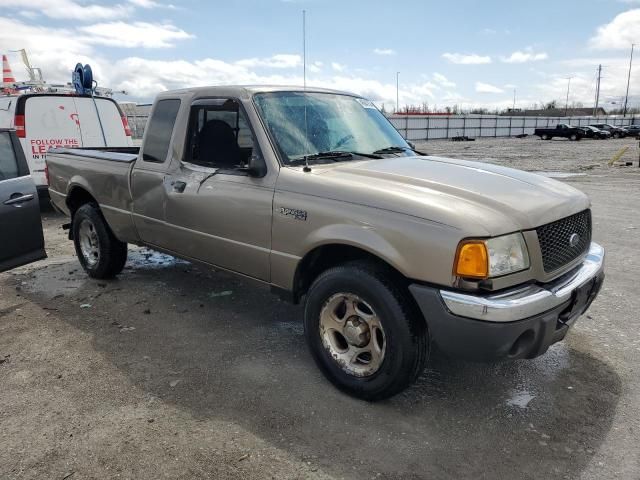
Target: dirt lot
(172, 371)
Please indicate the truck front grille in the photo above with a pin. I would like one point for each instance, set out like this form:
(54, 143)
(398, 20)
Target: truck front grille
(564, 240)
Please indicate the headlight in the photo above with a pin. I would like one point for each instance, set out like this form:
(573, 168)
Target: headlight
(493, 257)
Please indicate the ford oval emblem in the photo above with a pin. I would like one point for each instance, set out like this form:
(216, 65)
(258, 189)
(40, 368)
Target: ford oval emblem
(574, 239)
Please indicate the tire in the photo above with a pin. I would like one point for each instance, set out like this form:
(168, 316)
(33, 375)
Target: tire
(545, 137)
(574, 137)
(394, 344)
(616, 135)
(100, 253)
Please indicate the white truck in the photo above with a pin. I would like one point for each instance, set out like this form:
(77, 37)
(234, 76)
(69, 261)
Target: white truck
(62, 120)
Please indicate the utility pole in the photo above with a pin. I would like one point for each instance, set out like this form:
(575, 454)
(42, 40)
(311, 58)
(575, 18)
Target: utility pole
(397, 92)
(566, 105)
(514, 101)
(595, 108)
(626, 97)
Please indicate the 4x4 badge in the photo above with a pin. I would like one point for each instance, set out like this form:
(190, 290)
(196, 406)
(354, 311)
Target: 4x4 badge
(294, 212)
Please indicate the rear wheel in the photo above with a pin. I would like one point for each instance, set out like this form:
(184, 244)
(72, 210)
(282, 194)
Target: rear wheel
(100, 253)
(545, 137)
(364, 332)
(616, 135)
(574, 137)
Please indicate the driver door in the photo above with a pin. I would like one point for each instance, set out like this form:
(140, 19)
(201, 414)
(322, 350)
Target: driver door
(215, 210)
(21, 238)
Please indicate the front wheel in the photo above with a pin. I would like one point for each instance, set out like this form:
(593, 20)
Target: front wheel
(100, 253)
(616, 135)
(364, 332)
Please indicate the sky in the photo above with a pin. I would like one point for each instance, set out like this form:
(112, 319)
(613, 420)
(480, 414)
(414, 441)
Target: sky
(466, 53)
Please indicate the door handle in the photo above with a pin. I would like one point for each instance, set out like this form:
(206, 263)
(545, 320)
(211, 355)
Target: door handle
(17, 198)
(178, 186)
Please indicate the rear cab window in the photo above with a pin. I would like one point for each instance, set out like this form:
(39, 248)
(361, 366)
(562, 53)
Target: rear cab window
(160, 131)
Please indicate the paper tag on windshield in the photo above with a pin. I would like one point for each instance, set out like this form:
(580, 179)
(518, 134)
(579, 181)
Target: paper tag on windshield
(365, 103)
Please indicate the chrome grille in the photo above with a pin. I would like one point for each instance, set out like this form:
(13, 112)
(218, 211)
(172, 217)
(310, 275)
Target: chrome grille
(556, 240)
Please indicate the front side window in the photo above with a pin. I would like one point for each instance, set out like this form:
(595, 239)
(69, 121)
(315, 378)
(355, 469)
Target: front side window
(308, 123)
(219, 135)
(160, 130)
(8, 160)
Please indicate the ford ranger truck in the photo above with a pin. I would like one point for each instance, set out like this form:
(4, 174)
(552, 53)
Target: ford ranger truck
(315, 194)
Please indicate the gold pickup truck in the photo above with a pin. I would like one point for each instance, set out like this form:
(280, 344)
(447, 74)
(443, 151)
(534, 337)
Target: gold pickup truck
(314, 193)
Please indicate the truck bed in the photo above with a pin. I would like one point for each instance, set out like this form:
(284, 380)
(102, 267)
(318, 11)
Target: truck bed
(113, 154)
(103, 173)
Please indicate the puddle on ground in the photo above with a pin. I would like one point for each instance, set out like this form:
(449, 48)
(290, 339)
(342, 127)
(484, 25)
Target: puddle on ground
(147, 258)
(520, 399)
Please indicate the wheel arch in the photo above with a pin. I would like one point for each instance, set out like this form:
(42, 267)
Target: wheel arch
(331, 254)
(77, 196)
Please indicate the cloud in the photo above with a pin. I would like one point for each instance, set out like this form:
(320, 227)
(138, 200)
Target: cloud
(528, 55)
(443, 81)
(151, 4)
(487, 88)
(134, 35)
(315, 67)
(384, 51)
(619, 33)
(275, 61)
(70, 9)
(338, 67)
(466, 59)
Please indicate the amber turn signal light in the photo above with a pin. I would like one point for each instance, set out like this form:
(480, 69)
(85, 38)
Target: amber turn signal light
(472, 260)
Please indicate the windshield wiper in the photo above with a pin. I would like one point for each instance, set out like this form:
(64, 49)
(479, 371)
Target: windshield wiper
(397, 149)
(335, 155)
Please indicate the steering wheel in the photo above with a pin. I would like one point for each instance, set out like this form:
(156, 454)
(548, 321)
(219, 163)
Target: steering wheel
(342, 141)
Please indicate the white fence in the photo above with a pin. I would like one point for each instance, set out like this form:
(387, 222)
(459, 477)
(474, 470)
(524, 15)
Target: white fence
(432, 127)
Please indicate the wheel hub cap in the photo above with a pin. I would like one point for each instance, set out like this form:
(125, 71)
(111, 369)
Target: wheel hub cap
(352, 334)
(89, 243)
(356, 332)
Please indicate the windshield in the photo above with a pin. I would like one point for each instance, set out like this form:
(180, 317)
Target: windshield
(334, 123)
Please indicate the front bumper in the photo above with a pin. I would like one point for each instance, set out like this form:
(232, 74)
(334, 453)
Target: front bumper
(519, 323)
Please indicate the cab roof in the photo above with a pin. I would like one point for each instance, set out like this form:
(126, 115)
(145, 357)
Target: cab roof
(245, 91)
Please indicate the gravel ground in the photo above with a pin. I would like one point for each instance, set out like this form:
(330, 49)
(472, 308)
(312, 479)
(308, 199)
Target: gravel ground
(533, 154)
(172, 371)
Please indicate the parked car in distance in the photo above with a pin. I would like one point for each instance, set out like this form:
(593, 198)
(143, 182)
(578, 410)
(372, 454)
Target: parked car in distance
(315, 194)
(616, 132)
(47, 120)
(21, 238)
(561, 130)
(593, 132)
(633, 130)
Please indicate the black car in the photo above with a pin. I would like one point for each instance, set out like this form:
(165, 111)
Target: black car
(593, 132)
(616, 132)
(21, 239)
(633, 130)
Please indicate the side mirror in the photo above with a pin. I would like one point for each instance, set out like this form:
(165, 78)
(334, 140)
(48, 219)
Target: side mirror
(257, 166)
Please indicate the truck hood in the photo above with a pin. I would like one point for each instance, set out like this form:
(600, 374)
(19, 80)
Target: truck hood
(479, 197)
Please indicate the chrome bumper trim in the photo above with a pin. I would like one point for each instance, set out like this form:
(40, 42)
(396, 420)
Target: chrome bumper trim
(527, 301)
